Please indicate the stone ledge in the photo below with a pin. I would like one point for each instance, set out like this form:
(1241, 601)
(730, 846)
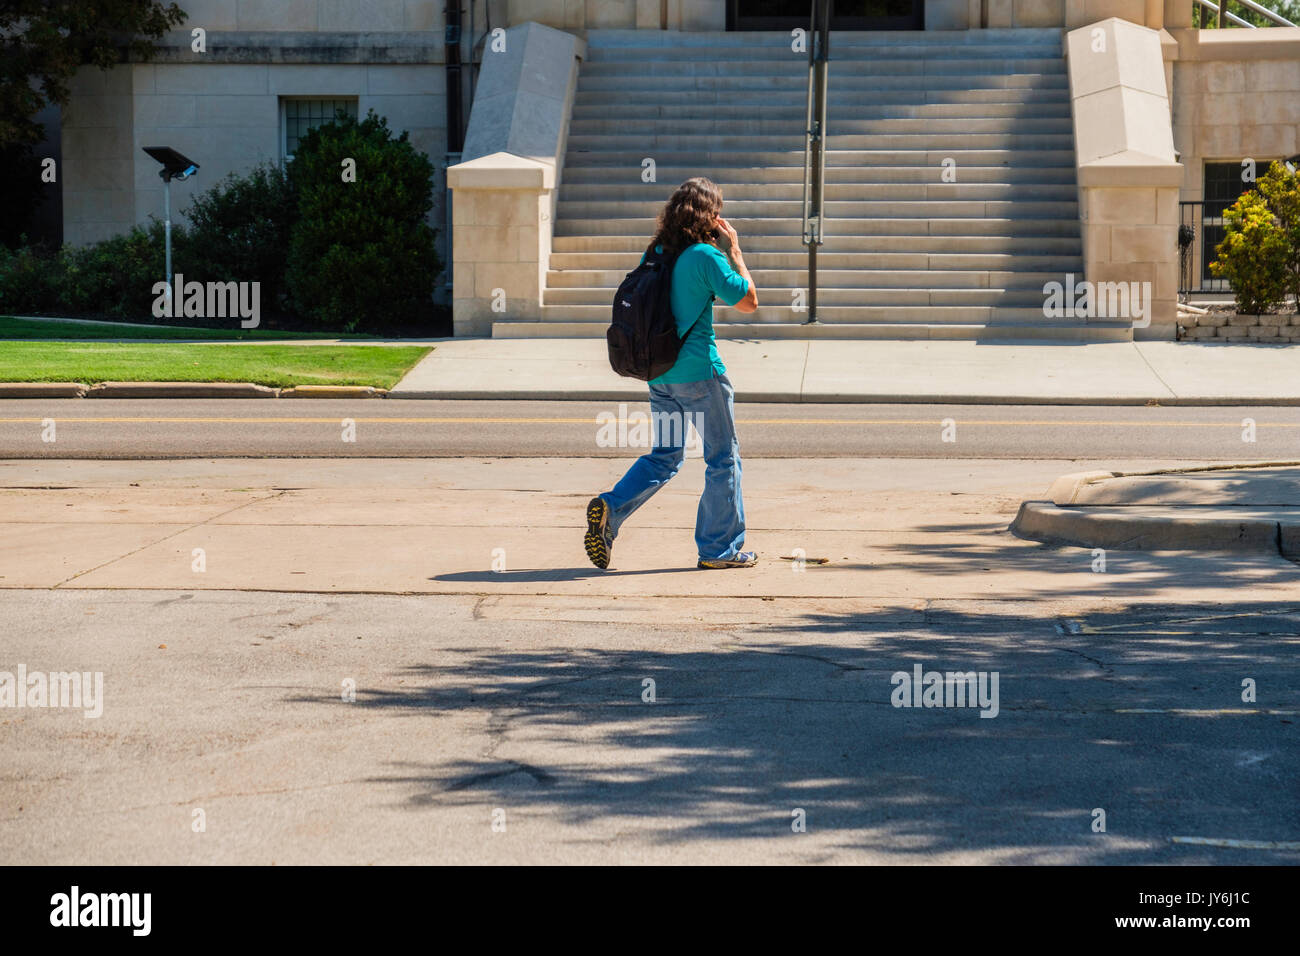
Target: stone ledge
(1272, 43)
(502, 171)
(422, 47)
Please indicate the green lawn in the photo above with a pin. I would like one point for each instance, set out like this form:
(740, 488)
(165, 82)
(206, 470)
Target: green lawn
(11, 328)
(275, 365)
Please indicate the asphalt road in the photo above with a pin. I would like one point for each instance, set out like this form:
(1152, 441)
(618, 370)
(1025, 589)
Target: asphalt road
(127, 429)
(232, 708)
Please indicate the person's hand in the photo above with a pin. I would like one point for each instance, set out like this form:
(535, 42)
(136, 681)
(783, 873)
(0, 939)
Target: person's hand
(724, 227)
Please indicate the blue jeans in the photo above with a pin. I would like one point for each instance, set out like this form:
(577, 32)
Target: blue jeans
(710, 405)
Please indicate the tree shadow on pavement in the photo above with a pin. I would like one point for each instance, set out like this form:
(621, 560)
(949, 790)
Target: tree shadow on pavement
(958, 551)
(1137, 712)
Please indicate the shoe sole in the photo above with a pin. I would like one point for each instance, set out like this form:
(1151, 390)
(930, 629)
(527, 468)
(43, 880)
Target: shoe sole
(594, 540)
(723, 565)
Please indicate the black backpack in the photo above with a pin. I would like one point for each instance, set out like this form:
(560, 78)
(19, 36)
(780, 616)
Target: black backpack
(642, 336)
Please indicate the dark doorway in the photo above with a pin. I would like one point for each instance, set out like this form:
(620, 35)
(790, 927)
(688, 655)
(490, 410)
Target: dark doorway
(845, 14)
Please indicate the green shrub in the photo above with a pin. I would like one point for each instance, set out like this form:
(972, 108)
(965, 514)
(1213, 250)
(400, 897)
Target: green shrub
(361, 256)
(115, 277)
(29, 280)
(1253, 255)
(1281, 191)
(238, 231)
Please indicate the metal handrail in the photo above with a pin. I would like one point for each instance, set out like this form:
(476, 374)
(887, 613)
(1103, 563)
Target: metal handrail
(1264, 12)
(814, 151)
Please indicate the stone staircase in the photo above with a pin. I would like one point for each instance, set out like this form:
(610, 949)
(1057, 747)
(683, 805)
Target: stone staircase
(906, 255)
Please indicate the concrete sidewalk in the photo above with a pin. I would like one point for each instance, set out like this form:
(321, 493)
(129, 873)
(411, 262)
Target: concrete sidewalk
(869, 371)
(894, 533)
(1253, 508)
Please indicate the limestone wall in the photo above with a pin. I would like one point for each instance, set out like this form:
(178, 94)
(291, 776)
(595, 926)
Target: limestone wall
(1236, 96)
(222, 109)
(312, 15)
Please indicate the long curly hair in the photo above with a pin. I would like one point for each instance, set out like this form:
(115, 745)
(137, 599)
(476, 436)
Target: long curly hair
(687, 216)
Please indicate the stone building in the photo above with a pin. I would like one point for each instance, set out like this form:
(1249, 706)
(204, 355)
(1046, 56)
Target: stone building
(978, 149)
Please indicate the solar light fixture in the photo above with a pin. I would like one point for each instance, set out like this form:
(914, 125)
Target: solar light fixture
(174, 166)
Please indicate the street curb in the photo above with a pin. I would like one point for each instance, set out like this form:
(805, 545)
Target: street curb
(181, 390)
(333, 391)
(1065, 490)
(42, 390)
(1045, 522)
(841, 398)
(1065, 519)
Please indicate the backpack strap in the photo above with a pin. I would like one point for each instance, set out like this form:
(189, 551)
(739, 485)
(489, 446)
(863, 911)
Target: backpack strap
(669, 259)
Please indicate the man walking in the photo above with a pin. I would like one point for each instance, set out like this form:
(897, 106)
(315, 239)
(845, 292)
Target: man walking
(696, 389)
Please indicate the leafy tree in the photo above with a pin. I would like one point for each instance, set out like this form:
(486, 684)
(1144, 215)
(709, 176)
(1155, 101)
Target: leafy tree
(361, 256)
(1253, 255)
(43, 42)
(1207, 19)
(239, 231)
(1280, 189)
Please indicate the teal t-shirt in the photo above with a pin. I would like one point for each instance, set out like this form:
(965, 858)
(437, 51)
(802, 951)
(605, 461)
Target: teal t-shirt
(702, 273)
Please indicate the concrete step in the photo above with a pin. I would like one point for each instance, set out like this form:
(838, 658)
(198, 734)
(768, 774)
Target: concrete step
(751, 229)
(994, 241)
(841, 112)
(776, 308)
(845, 216)
(649, 140)
(600, 39)
(867, 85)
(621, 263)
(937, 64)
(848, 158)
(606, 280)
(842, 53)
(638, 192)
(837, 99)
(780, 298)
(907, 255)
(1049, 331)
(781, 179)
(999, 243)
(708, 122)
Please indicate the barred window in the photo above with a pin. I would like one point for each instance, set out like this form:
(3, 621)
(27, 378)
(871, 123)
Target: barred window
(299, 114)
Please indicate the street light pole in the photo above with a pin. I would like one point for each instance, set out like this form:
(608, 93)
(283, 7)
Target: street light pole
(167, 232)
(174, 166)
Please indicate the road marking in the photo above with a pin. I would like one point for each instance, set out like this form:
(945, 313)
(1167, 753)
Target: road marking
(1216, 712)
(593, 421)
(1236, 844)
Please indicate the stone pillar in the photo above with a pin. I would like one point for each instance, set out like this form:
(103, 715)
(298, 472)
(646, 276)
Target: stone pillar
(501, 235)
(1128, 177)
(504, 191)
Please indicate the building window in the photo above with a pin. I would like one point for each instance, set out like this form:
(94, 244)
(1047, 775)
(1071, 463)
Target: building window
(1223, 187)
(299, 114)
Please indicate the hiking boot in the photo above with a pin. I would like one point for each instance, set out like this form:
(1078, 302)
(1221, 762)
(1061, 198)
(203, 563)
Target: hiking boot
(741, 559)
(599, 543)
